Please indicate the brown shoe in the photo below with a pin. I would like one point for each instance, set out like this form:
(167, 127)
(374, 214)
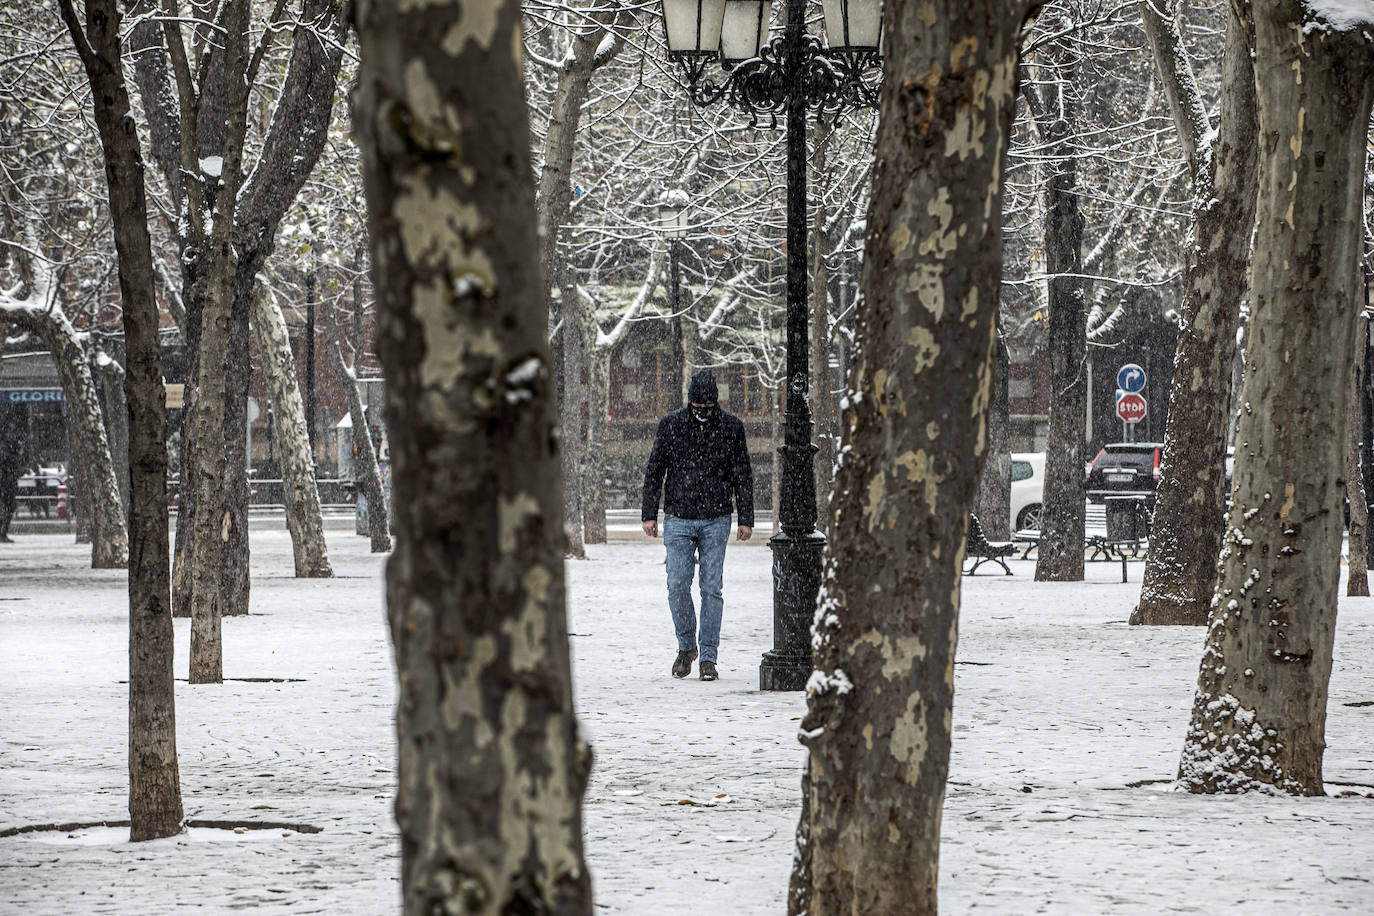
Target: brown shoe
(682, 665)
(708, 671)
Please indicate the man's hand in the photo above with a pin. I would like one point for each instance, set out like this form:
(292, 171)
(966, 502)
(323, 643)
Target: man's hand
(744, 533)
(651, 527)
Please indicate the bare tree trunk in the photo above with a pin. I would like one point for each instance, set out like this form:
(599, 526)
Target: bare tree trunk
(575, 353)
(111, 383)
(1188, 523)
(155, 808)
(234, 581)
(823, 404)
(78, 504)
(993, 501)
(1060, 556)
(366, 473)
(1259, 715)
(211, 528)
(594, 465)
(491, 770)
(299, 490)
(878, 706)
(1357, 574)
(690, 345)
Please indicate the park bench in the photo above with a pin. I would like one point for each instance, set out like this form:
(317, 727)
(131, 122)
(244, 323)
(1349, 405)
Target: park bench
(981, 550)
(1029, 538)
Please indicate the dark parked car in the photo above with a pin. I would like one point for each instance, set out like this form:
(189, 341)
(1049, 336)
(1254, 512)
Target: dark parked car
(1125, 469)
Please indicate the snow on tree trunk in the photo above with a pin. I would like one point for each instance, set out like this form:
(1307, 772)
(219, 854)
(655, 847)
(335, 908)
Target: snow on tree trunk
(1259, 714)
(299, 490)
(1357, 573)
(993, 502)
(1060, 555)
(155, 808)
(878, 706)
(491, 770)
(1188, 523)
(210, 529)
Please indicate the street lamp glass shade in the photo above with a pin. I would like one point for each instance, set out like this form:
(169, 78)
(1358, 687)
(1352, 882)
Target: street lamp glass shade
(745, 29)
(853, 25)
(692, 27)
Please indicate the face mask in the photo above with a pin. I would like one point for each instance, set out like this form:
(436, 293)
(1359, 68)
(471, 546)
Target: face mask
(703, 414)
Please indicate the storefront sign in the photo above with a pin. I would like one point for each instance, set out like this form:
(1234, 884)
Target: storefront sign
(29, 395)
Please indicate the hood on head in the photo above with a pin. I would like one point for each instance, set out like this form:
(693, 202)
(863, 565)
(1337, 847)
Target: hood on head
(702, 389)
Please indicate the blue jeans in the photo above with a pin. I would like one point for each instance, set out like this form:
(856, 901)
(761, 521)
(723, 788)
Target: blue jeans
(684, 538)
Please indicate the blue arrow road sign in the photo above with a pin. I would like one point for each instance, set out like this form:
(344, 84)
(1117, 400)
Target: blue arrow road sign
(1130, 378)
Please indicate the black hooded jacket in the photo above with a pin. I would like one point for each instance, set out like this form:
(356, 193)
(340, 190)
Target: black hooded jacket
(702, 469)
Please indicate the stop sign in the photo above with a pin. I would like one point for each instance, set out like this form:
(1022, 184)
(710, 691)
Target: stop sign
(1131, 408)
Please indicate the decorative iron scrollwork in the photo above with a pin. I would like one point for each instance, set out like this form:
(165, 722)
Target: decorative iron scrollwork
(832, 82)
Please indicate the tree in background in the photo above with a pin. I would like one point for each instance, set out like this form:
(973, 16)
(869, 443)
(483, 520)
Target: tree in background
(491, 769)
(1055, 108)
(179, 72)
(155, 808)
(1185, 532)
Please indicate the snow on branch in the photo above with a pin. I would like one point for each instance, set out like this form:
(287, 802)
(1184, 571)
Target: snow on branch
(729, 300)
(632, 313)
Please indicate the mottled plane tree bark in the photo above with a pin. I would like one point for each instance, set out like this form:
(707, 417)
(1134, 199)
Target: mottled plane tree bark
(1259, 715)
(1187, 527)
(491, 769)
(877, 723)
(1060, 555)
(155, 808)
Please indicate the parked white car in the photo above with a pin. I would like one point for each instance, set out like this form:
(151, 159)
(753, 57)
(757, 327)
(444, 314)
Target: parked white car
(1027, 488)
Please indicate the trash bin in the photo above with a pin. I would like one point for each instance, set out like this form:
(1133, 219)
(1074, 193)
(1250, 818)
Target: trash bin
(1125, 518)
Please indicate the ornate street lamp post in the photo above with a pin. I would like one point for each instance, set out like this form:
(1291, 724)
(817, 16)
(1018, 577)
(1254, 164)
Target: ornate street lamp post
(789, 76)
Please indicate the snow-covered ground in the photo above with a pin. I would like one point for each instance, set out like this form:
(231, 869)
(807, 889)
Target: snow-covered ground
(1067, 723)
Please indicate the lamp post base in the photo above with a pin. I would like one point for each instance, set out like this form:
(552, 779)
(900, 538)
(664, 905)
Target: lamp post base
(796, 582)
(784, 672)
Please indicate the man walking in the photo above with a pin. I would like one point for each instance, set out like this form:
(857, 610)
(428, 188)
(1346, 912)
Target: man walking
(701, 465)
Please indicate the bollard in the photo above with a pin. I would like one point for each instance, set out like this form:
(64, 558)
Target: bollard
(62, 500)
